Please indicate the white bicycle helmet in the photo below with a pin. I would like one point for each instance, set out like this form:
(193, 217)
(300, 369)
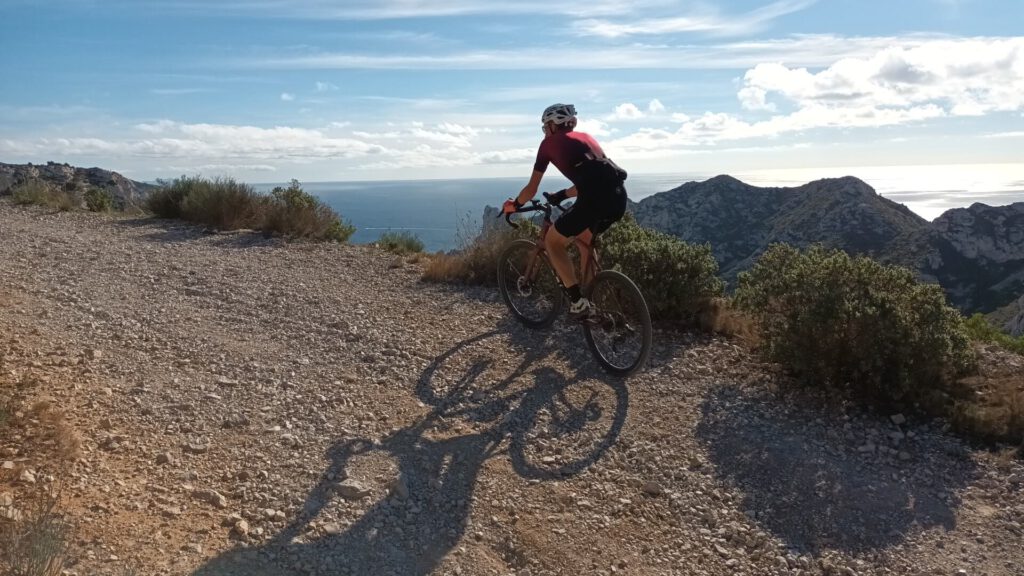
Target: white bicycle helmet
(561, 114)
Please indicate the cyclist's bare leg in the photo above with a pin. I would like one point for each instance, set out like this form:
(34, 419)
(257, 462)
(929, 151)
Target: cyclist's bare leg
(556, 245)
(585, 239)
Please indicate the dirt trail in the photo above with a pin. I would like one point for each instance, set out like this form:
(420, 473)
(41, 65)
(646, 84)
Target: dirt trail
(252, 407)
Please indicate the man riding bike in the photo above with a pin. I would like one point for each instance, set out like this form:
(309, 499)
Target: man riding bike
(596, 185)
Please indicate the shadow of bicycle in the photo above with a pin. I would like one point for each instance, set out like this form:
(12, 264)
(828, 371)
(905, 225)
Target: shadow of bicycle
(548, 421)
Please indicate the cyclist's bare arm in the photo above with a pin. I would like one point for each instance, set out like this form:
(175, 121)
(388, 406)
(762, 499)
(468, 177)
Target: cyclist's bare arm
(530, 190)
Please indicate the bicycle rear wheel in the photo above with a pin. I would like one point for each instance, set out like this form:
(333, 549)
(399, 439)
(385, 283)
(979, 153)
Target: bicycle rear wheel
(529, 285)
(620, 332)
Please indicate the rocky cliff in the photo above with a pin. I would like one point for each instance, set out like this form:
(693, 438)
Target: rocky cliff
(125, 192)
(977, 254)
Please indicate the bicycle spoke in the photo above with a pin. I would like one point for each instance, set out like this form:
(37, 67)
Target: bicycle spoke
(528, 284)
(621, 338)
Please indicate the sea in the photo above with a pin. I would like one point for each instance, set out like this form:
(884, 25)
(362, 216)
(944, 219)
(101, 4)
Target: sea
(447, 214)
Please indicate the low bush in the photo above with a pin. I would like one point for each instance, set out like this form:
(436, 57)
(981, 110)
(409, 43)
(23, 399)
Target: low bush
(226, 204)
(679, 280)
(854, 324)
(222, 203)
(400, 243)
(981, 330)
(295, 213)
(39, 193)
(165, 201)
(98, 200)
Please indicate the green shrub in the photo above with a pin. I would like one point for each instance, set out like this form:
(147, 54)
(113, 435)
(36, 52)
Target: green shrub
(854, 324)
(677, 279)
(222, 203)
(29, 192)
(400, 242)
(98, 200)
(295, 213)
(165, 201)
(981, 330)
(229, 205)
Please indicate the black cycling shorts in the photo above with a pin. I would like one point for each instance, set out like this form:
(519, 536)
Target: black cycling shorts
(594, 211)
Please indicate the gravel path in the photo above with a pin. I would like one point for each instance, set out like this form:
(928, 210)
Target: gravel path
(250, 407)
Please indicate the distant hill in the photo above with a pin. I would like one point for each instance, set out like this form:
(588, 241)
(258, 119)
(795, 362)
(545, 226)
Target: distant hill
(975, 253)
(125, 192)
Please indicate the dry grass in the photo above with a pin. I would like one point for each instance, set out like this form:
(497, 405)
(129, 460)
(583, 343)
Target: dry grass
(34, 532)
(718, 316)
(992, 408)
(34, 538)
(39, 193)
(476, 263)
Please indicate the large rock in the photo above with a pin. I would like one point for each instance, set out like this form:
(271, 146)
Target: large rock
(1015, 326)
(125, 192)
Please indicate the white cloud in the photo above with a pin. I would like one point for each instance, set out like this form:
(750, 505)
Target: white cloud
(178, 91)
(712, 128)
(325, 87)
(594, 127)
(626, 111)
(169, 139)
(286, 97)
(394, 9)
(220, 168)
(707, 21)
(445, 133)
(523, 156)
(755, 98)
(797, 50)
(964, 77)
(655, 106)
(1016, 134)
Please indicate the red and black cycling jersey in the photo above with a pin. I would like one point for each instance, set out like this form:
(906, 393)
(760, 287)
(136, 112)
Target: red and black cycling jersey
(567, 151)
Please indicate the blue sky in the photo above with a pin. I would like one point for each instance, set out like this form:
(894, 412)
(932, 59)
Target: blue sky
(268, 90)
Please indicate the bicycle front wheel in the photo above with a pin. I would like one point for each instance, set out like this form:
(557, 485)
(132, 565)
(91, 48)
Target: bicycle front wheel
(619, 333)
(528, 284)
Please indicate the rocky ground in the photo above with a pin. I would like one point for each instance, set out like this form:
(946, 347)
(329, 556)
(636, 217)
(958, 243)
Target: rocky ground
(251, 407)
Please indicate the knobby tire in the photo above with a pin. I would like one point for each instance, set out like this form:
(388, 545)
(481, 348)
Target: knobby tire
(541, 306)
(621, 313)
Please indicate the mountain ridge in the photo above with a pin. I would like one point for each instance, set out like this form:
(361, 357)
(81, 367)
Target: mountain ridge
(976, 253)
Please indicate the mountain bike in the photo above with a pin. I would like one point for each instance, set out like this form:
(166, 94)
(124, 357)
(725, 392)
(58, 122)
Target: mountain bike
(618, 332)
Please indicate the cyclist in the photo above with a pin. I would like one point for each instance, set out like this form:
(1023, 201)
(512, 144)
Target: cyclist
(597, 185)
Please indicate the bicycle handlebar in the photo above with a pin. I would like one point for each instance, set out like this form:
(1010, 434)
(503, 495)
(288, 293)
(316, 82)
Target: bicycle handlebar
(534, 206)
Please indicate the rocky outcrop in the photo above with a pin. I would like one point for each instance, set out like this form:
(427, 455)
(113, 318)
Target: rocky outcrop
(125, 192)
(977, 255)
(1014, 324)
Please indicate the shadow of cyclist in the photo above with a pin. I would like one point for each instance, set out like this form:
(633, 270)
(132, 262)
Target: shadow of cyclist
(409, 531)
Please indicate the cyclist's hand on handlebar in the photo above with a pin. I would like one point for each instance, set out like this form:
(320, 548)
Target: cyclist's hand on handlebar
(558, 197)
(510, 206)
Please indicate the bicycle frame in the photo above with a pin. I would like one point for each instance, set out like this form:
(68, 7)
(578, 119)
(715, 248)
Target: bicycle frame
(590, 263)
